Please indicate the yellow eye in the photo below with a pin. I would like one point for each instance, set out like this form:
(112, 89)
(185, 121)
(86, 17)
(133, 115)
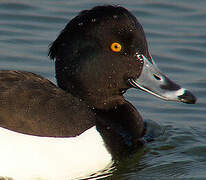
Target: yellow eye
(116, 47)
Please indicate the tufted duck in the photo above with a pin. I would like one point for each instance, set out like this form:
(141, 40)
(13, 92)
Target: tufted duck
(81, 126)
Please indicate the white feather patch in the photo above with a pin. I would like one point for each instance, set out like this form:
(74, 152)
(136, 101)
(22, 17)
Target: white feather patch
(26, 157)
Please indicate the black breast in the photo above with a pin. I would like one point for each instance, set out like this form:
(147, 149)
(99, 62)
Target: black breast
(121, 128)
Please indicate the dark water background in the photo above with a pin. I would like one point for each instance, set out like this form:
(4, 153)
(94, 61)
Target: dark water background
(176, 33)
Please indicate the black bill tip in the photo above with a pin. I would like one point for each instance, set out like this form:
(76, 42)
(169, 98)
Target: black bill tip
(187, 97)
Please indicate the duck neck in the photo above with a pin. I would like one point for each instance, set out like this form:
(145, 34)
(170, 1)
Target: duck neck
(121, 128)
(102, 101)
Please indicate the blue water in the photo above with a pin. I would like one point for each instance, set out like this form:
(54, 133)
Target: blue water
(176, 33)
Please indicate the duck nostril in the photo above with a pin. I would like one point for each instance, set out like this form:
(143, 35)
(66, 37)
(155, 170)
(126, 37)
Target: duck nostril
(156, 77)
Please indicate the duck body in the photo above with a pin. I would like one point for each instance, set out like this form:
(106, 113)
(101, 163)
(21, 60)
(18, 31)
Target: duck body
(57, 147)
(29, 157)
(85, 123)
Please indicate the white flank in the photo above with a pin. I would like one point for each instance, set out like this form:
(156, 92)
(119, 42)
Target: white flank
(26, 157)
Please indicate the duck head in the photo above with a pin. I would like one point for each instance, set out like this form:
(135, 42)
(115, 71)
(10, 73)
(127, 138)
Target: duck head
(102, 52)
